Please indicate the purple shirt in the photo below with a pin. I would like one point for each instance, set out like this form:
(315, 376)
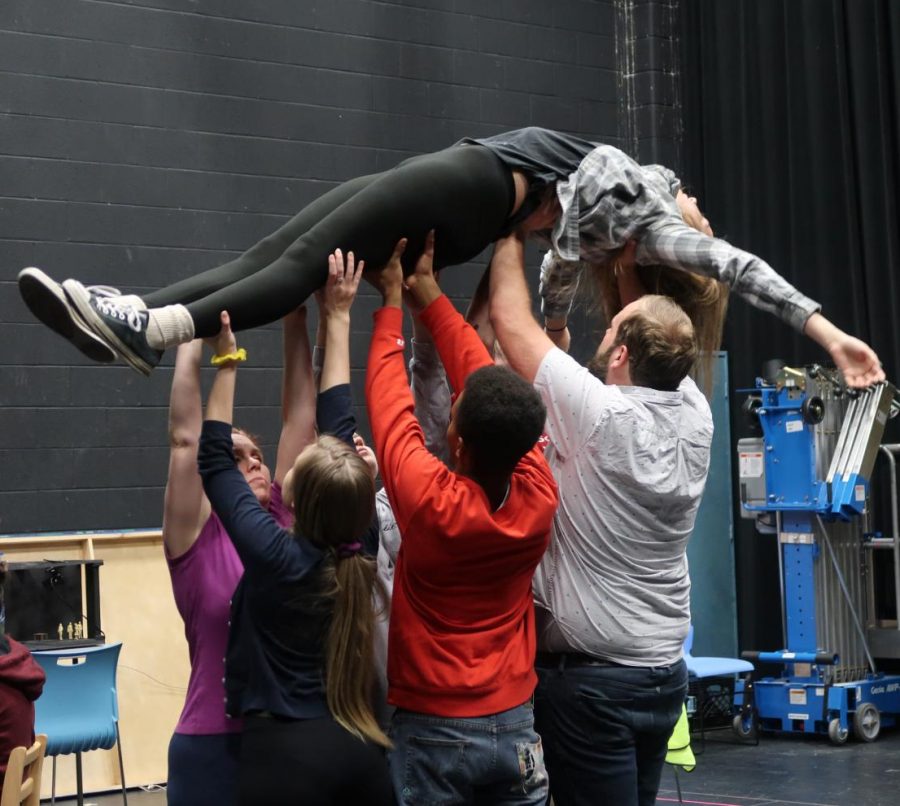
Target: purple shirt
(203, 582)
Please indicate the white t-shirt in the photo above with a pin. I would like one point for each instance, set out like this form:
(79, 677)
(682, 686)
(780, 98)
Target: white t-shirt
(631, 465)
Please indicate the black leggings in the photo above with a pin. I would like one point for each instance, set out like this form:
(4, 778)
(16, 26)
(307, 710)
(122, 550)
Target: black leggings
(464, 193)
(313, 762)
(203, 769)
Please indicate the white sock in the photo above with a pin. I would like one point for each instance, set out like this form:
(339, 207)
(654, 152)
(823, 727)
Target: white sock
(169, 326)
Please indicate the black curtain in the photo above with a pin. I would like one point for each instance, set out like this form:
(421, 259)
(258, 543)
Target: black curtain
(792, 142)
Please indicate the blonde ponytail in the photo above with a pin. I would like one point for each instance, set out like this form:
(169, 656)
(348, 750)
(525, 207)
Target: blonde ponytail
(350, 650)
(334, 503)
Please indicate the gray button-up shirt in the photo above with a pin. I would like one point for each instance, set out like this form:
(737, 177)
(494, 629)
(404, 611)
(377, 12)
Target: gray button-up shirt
(631, 466)
(610, 199)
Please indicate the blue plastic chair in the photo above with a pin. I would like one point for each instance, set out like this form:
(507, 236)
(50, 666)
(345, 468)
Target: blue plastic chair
(706, 667)
(79, 709)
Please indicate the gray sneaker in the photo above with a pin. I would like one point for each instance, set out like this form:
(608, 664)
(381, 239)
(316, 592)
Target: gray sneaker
(46, 299)
(118, 321)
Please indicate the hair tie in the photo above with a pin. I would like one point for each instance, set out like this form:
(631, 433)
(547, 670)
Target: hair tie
(229, 358)
(346, 550)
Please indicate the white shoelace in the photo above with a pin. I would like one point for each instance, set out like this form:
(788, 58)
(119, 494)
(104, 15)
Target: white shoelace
(125, 312)
(107, 291)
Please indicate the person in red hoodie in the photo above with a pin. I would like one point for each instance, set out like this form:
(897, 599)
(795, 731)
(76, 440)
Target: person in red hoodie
(21, 683)
(462, 635)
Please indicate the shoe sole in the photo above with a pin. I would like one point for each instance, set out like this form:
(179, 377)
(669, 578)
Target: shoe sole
(46, 299)
(81, 299)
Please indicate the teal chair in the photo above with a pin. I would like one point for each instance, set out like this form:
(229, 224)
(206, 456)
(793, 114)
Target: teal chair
(79, 709)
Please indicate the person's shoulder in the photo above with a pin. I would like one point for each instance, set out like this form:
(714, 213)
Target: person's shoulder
(561, 365)
(695, 398)
(558, 361)
(697, 419)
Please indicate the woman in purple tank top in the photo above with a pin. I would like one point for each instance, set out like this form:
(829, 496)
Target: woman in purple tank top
(205, 567)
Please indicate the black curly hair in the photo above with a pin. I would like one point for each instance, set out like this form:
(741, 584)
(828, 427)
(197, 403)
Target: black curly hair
(500, 417)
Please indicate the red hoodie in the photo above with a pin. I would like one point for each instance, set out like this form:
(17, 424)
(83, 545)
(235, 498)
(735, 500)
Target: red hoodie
(462, 632)
(21, 683)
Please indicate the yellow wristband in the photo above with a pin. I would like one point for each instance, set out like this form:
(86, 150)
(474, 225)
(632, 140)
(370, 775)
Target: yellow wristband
(229, 358)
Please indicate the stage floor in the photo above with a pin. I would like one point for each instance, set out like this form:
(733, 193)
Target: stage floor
(779, 772)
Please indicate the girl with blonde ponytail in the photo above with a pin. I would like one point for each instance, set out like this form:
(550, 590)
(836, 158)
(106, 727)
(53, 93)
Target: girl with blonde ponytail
(300, 664)
(333, 494)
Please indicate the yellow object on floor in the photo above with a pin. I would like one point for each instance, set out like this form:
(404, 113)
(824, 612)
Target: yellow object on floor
(680, 753)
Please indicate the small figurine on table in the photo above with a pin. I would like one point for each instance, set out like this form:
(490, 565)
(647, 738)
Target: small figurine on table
(78, 631)
(69, 630)
(59, 632)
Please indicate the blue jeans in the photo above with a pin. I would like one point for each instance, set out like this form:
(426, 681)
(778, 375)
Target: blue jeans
(606, 729)
(488, 760)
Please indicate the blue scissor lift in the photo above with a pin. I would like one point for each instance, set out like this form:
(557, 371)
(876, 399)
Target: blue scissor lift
(808, 477)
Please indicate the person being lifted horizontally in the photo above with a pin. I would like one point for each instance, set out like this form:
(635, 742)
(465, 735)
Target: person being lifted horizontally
(592, 200)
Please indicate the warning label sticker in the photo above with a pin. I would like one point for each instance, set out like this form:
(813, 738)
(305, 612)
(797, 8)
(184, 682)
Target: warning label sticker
(751, 465)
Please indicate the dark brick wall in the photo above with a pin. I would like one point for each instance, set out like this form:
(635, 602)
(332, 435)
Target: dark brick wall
(144, 141)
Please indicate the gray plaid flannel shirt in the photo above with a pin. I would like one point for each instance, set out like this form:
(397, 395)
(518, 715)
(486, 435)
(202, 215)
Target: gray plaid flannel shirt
(610, 199)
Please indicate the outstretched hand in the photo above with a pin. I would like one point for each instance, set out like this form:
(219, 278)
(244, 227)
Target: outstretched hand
(342, 284)
(856, 360)
(389, 278)
(422, 284)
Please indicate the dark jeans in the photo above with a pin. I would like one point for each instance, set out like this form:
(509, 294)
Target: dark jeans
(203, 770)
(605, 729)
(487, 760)
(465, 193)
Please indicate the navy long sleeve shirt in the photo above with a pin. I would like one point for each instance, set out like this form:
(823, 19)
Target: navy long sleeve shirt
(279, 619)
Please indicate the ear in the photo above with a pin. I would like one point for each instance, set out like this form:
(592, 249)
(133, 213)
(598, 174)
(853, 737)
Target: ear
(619, 357)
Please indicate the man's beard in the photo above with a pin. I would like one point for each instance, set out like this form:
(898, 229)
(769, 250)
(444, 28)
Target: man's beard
(599, 364)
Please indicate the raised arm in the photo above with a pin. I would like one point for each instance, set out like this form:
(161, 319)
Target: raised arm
(334, 408)
(460, 348)
(340, 291)
(186, 508)
(523, 341)
(298, 394)
(263, 546)
(409, 471)
(431, 392)
(428, 381)
(220, 405)
(557, 289)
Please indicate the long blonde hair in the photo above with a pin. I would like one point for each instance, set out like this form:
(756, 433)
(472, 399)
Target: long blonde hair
(703, 299)
(334, 500)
